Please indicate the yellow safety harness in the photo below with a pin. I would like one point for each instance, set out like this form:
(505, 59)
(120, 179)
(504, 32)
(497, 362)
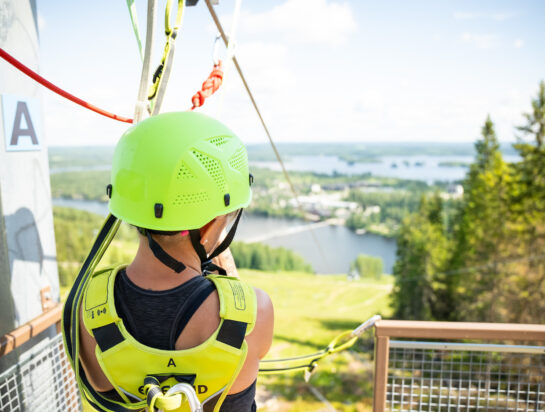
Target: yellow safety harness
(210, 368)
(140, 374)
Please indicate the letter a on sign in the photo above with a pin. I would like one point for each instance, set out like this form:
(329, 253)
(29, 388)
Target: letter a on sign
(22, 123)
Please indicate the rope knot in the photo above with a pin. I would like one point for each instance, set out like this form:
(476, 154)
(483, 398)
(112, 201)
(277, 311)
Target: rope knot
(209, 86)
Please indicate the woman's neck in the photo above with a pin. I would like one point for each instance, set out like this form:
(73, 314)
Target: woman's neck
(147, 272)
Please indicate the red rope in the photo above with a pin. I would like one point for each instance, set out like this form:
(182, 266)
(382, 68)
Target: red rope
(209, 87)
(10, 59)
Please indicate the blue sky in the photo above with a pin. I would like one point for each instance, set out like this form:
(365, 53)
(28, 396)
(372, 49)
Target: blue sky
(321, 70)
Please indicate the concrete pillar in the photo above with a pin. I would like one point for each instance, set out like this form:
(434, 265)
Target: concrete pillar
(27, 243)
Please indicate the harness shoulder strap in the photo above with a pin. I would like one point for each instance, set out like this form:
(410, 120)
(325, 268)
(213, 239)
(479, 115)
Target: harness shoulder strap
(98, 302)
(238, 301)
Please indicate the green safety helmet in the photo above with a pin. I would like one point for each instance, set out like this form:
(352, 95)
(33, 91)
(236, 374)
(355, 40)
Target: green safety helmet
(178, 171)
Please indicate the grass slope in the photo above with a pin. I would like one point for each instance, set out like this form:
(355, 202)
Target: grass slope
(309, 312)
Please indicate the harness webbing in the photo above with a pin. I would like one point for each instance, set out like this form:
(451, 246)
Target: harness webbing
(160, 78)
(70, 319)
(309, 362)
(141, 100)
(134, 21)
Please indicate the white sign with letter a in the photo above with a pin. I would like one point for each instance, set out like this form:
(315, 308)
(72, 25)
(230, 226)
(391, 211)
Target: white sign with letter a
(22, 123)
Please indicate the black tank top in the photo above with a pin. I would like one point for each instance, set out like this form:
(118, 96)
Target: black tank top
(157, 318)
(154, 317)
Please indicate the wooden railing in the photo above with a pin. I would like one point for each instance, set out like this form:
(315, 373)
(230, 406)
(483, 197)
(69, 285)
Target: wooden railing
(386, 329)
(24, 333)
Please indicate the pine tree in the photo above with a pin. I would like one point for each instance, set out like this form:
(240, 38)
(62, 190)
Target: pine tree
(531, 170)
(481, 234)
(422, 250)
(528, 204)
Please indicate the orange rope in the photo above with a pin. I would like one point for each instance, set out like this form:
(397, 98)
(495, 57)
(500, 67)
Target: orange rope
(209, 87)
(35, 76)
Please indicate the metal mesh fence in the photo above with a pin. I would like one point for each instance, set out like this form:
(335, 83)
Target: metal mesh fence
(42, 381)
(430, 376)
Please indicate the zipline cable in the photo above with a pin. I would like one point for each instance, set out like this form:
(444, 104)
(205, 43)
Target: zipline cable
(321, 398)
(230, 52)
(141, 100)
(35, 76)
(134, 21)
(277, 154)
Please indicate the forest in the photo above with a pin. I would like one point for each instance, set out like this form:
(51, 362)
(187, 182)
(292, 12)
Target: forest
(271, 197)
(487, 263)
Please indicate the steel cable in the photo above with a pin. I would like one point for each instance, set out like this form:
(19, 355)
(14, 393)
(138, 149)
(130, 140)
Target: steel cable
(277, 154)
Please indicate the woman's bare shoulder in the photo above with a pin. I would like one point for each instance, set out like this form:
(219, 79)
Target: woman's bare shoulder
(264, 326)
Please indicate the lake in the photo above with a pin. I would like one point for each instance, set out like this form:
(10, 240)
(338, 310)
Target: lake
(340, 246)
(425, 168)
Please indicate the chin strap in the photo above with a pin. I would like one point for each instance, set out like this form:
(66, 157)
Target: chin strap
(163, 256)
(206, 261)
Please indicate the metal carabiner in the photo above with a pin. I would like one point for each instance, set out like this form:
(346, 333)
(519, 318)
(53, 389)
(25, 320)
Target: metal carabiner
(187, 390)
(215, 51)
(365, 325)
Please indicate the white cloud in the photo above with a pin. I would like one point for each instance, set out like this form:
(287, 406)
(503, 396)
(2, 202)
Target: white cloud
(503, 16)
(462, 15)
(519, 43)
(267, 62)
(307, 21)
(481, 41)
(500, 16)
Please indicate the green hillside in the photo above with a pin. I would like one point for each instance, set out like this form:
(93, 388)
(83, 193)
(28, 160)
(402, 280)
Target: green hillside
(310, 311)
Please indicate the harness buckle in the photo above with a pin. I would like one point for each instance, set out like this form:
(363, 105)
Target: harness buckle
(208, 267)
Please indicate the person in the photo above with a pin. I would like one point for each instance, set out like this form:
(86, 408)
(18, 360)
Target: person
(172, 315)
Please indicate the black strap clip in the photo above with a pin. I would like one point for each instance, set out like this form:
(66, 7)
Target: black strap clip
(208, 267)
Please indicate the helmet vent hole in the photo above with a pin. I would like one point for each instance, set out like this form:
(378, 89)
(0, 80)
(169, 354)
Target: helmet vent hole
(213, 168)
(190, 198)
(219, 141)
(185, 173)
(239, 161)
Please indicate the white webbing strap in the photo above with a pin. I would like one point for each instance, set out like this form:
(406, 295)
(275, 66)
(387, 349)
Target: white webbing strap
(142, 99)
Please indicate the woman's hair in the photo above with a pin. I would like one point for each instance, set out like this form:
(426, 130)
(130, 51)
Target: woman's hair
(144, 231)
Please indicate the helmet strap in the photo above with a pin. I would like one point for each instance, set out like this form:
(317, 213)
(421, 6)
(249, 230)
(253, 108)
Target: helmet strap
(206, 261)
(163, 256)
